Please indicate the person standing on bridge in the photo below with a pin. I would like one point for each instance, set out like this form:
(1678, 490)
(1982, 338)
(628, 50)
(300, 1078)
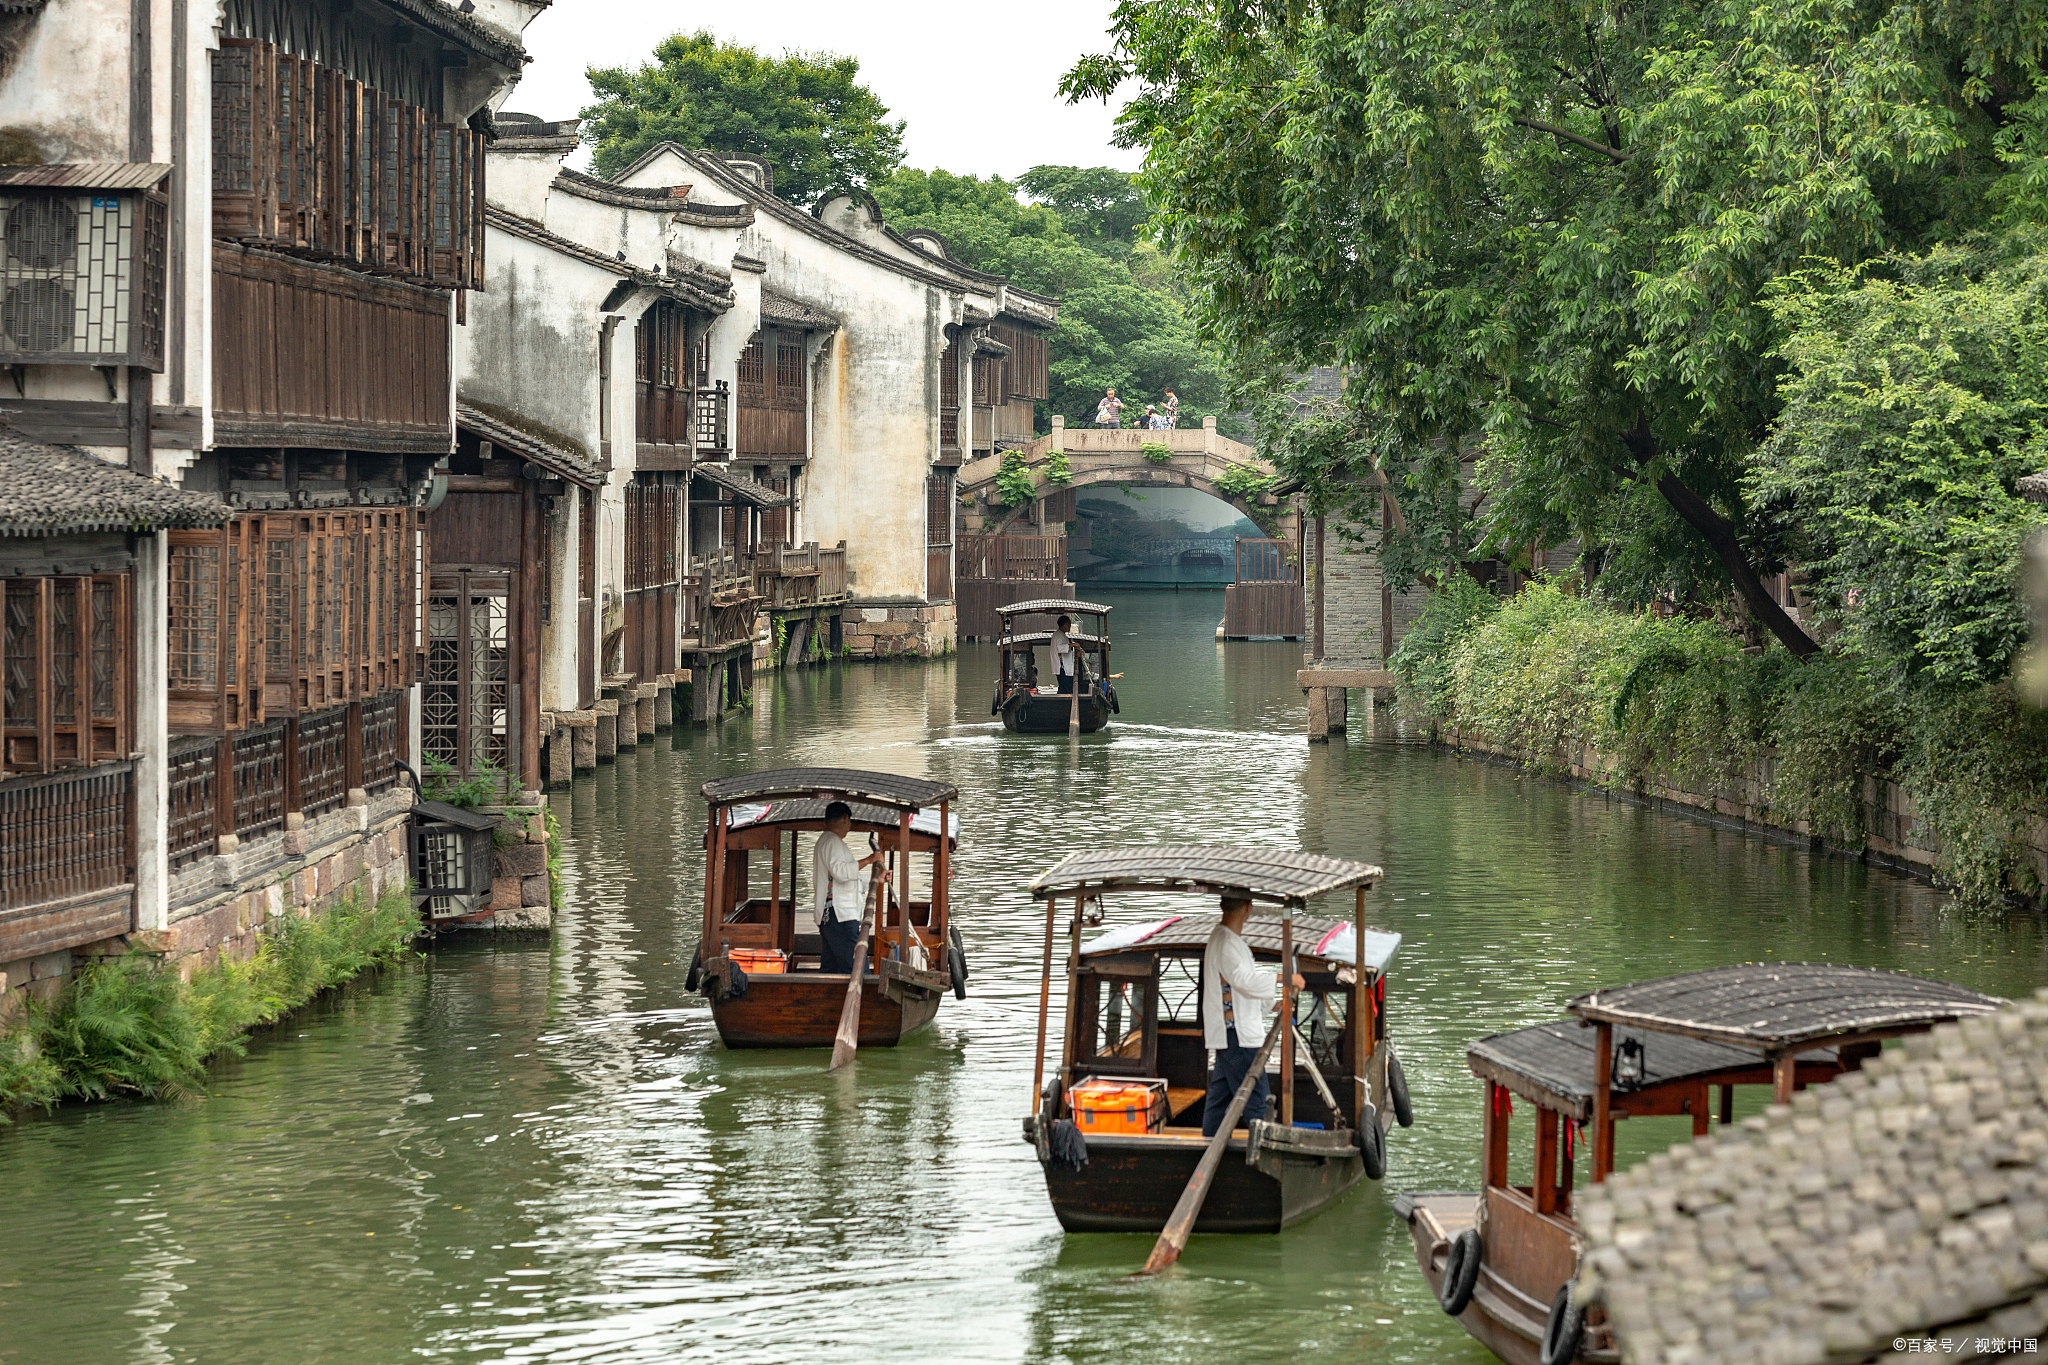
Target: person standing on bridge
(1109, 413)
(1172, 409)
(1157, 420)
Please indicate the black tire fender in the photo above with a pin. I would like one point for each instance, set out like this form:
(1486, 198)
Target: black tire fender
(958, 969)
(953, 937)
(696, 969)
(1563, 1330)
(1461, 1273)
(1397, 1091)
(1371, 1141)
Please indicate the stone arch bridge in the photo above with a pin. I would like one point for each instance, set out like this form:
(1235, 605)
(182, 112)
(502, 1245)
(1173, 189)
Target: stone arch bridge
(1199, 458)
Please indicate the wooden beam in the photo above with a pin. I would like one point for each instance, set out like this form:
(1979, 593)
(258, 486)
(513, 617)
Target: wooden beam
(1496, 1135)
(1546, 1160)
(1603, 1117)
(1344, 677)
(1784, 1071)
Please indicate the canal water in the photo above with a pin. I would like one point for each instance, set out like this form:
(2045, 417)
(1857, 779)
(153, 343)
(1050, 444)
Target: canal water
(538, 1152)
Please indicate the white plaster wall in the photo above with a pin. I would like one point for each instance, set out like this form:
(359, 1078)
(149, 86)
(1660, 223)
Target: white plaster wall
(874, 423)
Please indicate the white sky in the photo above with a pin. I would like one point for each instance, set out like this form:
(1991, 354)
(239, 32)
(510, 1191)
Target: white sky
(977, 83)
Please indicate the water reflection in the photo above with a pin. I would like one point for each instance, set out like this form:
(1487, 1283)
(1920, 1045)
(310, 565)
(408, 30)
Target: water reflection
(520, 1151)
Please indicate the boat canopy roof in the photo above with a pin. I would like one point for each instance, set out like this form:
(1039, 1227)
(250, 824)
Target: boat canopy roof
(1783, 1006)
(1552, 1064)
(1039, 637)
(1051, 606)
(1327, 939)
(831, 784)
(1277, 876)
(810, 810)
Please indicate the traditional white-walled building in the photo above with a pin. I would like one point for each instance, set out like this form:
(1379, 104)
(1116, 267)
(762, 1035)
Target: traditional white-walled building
(899, 325)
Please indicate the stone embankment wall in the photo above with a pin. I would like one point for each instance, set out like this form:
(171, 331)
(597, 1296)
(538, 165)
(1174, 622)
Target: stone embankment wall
(1897, 839)
(905, 632)
(222, 904)
(521, 892)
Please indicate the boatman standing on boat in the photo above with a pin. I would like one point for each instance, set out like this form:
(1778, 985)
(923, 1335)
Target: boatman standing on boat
(839, 881)
(1237, 995)
(1063, 653)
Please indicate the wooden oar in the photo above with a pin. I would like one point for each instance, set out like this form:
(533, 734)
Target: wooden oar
(847, 1040)
(1174, 1236)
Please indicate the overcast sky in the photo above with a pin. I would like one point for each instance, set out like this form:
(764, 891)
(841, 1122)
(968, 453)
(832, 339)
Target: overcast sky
(977, 83)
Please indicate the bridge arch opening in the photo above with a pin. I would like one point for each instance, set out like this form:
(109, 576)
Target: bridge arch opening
(1155, 535)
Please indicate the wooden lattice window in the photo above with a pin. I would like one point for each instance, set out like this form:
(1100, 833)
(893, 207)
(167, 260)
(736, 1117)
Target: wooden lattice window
(464, 716)
(307, 157)
(64, 672)
(938, 516)
(753, 373)
(259, 757)
(660, 344)
(653, 506)
(279, 614)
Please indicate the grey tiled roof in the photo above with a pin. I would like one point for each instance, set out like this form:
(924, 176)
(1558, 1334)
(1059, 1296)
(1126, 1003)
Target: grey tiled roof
(1283, 875)
(793, 312)
(1909, 1199)
(48, 490)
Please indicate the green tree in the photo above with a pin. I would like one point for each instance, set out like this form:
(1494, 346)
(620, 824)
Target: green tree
(803, 113)
(1121, 323)
(1912, 405)
(1553, 223)
(1102, 206)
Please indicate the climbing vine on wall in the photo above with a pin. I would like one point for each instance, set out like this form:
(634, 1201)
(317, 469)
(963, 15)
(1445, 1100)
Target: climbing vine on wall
(1013, 483)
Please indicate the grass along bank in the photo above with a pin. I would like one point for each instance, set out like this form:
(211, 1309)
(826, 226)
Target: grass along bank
(1679, 704)
(136, 1026)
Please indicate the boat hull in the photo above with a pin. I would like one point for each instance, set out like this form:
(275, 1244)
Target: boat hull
(801, 1009)
(1036, 715)
(1131, 1184)
(1500, 1317)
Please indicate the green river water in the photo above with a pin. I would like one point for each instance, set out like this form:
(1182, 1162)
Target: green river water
(523, 1151)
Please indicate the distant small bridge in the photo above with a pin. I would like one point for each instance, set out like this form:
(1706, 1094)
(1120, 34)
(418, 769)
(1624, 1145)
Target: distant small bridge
(1196, 458)
(1175, 549)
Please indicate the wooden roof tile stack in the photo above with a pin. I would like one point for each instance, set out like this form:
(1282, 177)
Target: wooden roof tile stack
(1904, 1202)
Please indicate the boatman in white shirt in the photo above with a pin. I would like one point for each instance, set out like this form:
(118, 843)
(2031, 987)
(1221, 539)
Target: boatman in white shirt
(1063, 653)
(839, 884)
(1237, 995)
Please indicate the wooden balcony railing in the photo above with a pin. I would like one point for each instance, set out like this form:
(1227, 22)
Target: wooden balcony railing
(1012, 557)
(720, 599)
(323, 761)
(805, 575)
(1265, 561)
(195, 785)
(65, 834)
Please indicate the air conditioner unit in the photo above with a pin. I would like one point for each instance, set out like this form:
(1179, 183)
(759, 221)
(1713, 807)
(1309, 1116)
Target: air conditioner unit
(82, 265)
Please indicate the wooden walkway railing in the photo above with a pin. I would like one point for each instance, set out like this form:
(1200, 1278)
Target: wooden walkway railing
(65, 834)
(1012, 557)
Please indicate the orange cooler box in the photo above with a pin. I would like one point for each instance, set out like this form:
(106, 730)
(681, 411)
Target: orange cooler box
(1119, 1106)
(755, 961)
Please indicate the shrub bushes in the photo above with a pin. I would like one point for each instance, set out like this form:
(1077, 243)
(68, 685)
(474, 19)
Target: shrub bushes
(132, 1026)
(1681, 699)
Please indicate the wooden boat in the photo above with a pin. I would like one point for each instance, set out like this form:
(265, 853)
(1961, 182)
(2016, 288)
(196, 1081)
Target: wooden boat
(1134, 1011)
(786, 1000)
(1032, 707)
(1502, 1259)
